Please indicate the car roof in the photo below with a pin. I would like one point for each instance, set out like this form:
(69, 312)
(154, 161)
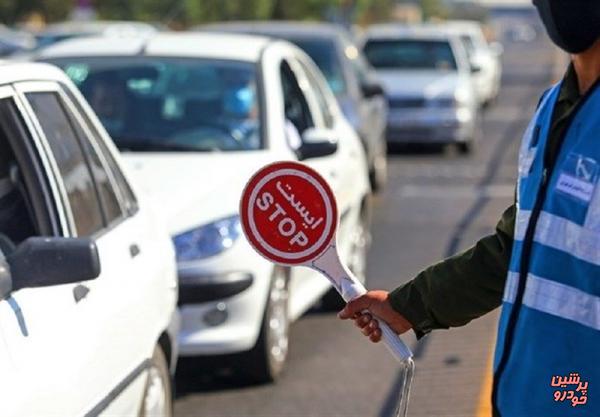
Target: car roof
(13, 72)
(462, 27)
(400, 31)
(194, 45)
(279, 29)
(96, 26)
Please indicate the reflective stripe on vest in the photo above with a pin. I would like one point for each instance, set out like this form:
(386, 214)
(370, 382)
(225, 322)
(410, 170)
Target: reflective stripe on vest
(556, 299)
(561, 234)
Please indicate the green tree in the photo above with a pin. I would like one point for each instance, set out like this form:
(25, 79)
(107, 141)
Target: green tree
(369, 11)
(12, 11)
(189, 12)
(432, 8)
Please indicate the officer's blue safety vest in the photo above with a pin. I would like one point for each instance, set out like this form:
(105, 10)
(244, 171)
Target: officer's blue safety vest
(550, 322)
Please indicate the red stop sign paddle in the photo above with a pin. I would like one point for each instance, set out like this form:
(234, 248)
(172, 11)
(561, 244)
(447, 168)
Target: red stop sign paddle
(289, 216)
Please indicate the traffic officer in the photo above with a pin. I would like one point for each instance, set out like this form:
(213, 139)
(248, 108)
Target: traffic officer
(543, 262)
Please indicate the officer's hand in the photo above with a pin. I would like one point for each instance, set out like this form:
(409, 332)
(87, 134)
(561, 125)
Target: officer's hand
(378, 305)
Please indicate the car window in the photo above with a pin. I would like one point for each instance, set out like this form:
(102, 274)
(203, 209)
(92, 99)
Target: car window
(20, 214)
(108, 196)
(321, 97)
(297, 110)
(325, 54)
(71, 162)
(162, 104)
(124, 189)
(410, 54)
(127, 195)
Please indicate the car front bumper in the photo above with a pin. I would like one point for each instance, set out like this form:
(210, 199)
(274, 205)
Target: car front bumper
(430, 125)
(195, 286)
(221, 307)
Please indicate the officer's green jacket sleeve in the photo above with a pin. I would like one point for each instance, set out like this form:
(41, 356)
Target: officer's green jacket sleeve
(461, 288)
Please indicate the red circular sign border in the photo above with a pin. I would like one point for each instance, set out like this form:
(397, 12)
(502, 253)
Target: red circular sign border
(245, 203)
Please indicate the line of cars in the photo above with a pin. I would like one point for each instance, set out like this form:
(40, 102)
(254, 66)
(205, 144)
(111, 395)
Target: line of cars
(193, 115)
(435, 79)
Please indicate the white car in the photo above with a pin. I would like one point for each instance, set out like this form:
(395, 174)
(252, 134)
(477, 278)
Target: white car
(115, 29)
(484, 58)
(428, 82)
(195, 116)
(88, 284)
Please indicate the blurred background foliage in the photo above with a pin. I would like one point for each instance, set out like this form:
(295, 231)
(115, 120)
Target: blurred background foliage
(182, 13)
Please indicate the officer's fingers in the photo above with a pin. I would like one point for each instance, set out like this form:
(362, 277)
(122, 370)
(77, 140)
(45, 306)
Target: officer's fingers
(367, 330)
(363, 320)
(355, 306)
(370, 328)
(375, 336)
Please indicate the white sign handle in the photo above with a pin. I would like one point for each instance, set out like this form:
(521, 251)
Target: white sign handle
(350, 287)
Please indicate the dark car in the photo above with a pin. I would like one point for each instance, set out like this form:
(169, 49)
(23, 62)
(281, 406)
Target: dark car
(350, 77)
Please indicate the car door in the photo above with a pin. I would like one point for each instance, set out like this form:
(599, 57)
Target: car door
(119, 336)
(305, 285)
(145, 275)
(303, 110)
(306, 113)
(346, 165)
(39, 327)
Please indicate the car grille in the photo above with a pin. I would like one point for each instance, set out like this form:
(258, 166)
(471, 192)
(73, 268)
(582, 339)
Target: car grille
(415, 134)
(406, 102)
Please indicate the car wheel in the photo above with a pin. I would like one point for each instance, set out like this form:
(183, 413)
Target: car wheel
(157, 399)
(357, 262)
(265, 362)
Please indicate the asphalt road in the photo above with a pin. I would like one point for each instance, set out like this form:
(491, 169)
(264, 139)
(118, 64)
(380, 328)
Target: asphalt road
(436, 203)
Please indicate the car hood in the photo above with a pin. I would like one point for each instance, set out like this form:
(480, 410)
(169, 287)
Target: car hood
(191, 190)
(419, 83)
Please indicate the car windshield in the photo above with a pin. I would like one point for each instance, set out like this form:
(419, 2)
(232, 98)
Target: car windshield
(324, 53)
(163, 104)
(410, 54)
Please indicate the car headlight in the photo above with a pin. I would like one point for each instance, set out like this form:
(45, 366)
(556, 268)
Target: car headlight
(207, 240)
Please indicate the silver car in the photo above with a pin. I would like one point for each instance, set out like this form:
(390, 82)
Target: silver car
(485, 58)
(429, 85)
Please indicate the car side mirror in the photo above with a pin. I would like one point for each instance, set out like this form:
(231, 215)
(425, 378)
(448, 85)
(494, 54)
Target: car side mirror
(371, 89)
(317, 143)
(47, 261)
